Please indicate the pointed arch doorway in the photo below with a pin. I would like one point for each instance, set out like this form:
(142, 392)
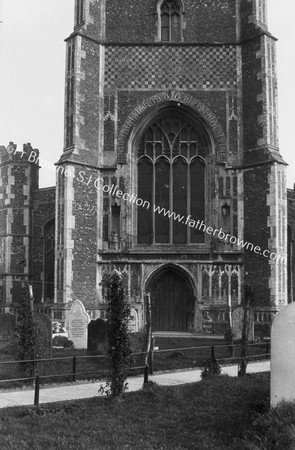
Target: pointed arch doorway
(172, 301)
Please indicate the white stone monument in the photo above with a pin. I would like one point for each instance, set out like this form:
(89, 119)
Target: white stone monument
(282, 366)
(77, 324)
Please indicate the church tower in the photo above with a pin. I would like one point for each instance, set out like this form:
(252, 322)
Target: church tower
(18, 180)
(171, 169)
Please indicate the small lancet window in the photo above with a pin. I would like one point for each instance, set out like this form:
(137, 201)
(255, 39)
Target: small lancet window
(116, 219)
(79, 12)
(261, 13)
(49, 240)
(171, 21)
(225, 218)
(115, 227)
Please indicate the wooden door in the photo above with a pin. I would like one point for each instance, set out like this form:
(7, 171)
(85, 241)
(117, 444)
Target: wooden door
(172, 302)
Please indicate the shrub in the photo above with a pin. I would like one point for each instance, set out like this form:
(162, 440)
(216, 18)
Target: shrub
(210, 368)
(62, 341)
(118, 315)
(26, 333)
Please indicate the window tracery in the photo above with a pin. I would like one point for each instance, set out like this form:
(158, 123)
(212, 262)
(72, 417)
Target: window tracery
(171, 175)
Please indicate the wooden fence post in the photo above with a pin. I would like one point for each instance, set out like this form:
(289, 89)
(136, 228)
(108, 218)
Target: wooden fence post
(37, 391)
(74, 368)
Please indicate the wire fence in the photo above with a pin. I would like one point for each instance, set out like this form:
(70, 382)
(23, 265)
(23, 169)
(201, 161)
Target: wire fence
(72, 368)
(175, 358)
(37, 379)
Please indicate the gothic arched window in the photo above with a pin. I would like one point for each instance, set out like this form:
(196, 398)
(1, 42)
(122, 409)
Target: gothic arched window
(171, 11)
(49, 238)
(171, 175)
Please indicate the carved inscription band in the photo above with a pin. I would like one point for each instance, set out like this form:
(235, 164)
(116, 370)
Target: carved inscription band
(180, 97)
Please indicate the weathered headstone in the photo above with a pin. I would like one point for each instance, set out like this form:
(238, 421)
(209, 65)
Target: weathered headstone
(198, 321)
(7, 328)
(97, 343)
(44, 337)
(133, 321)
(282, 368)
(137, 342)
(76, 324)
(208, 325)
(238, 323)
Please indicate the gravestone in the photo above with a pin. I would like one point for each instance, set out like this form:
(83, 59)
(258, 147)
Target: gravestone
(44, 337)
(97, 343)
(198, 321)
(282, 367)
(133, 321)
(7, 328)
(237, 324)
(137, 342)
(76, 324)
(208, 325)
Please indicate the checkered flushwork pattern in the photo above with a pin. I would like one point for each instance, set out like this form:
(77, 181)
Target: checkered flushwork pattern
(166, 67)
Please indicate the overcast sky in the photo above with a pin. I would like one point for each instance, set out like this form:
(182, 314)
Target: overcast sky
(32, 58)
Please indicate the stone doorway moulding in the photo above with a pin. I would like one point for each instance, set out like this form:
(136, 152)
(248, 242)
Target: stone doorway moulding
(172, 299)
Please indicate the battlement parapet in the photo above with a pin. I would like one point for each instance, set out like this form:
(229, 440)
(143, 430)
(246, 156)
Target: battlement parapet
(12, 153)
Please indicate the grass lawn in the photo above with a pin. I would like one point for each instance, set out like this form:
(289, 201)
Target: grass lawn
(220, 413)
